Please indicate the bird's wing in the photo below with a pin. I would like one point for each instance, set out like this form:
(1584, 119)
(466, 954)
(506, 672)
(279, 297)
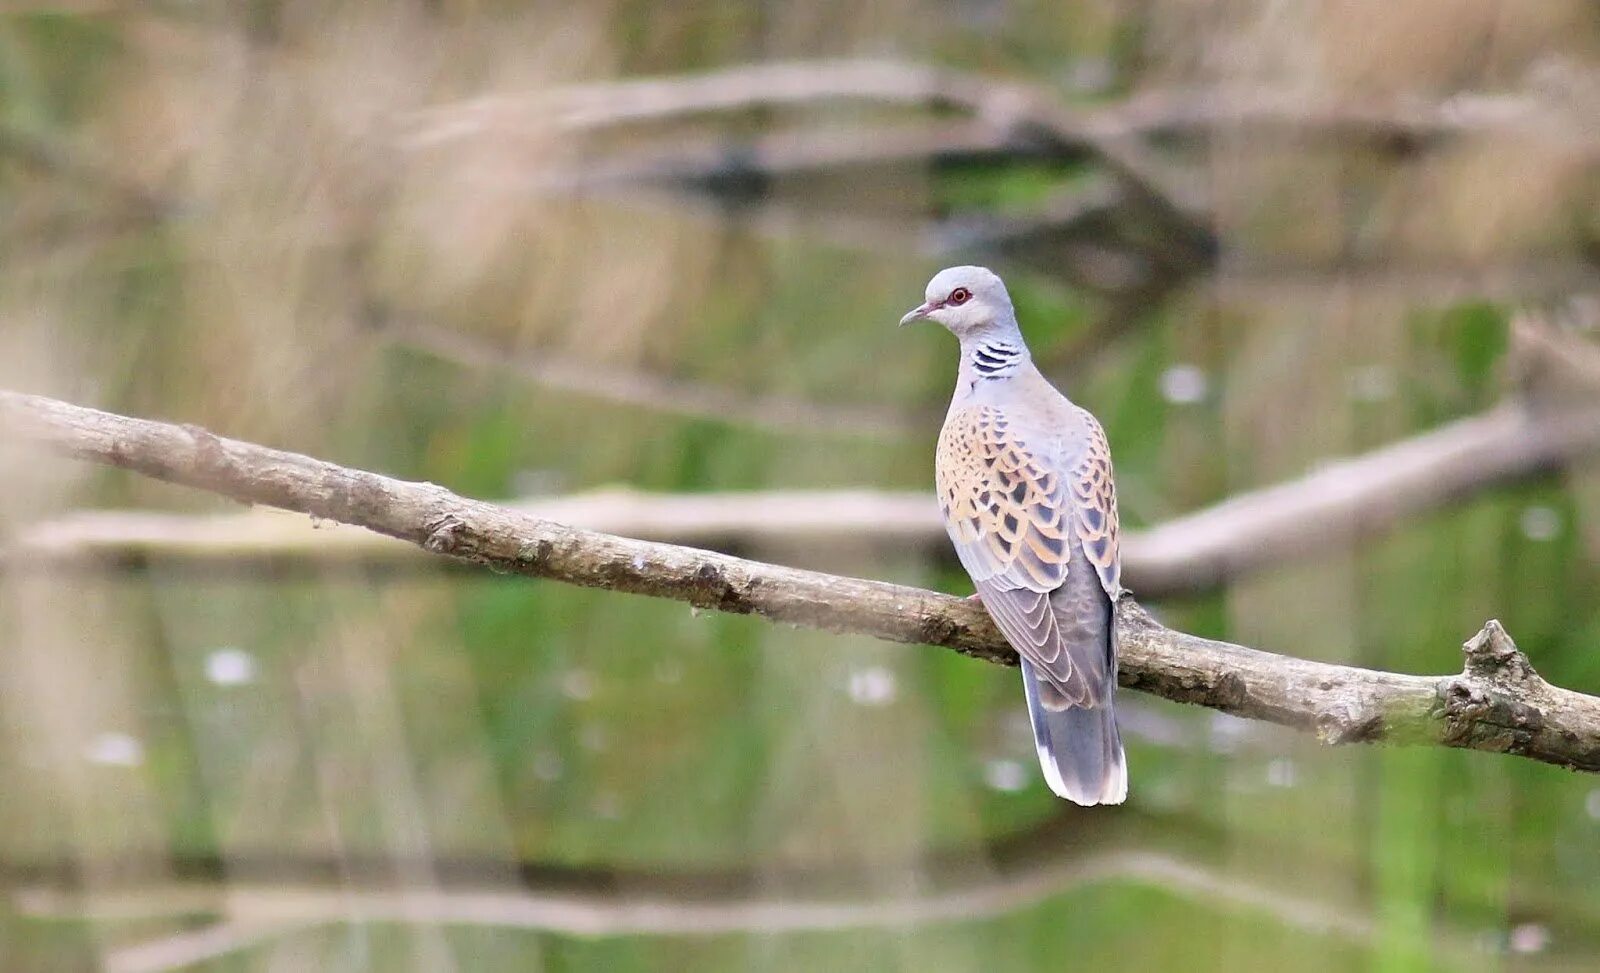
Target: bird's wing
(1005, 508)
(1011, 515)
(1094, 495)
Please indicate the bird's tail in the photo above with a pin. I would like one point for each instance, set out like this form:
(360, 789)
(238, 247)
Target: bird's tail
(1080, 750)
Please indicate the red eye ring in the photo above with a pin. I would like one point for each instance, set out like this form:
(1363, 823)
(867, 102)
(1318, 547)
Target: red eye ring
(959, 296)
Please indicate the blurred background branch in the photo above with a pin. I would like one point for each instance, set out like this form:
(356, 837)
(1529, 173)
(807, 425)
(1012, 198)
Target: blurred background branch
(1342, 500)
(654, 392)
(1014, 872)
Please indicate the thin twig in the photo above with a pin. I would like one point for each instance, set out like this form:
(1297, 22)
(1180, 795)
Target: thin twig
(721, 161)
(185, 949)
(609, 104)
(1552, 363)
(679, 397)
(1497, 703)
(1405, 125)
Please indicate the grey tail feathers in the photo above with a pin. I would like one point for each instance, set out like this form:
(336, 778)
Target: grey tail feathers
(1080, 750)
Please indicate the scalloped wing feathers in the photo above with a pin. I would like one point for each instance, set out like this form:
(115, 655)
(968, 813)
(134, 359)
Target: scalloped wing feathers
(1019, 517)
(1006, 510)
(1095, 509)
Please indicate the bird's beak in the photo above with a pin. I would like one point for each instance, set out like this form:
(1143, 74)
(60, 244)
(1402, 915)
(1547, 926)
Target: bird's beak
(918, 313)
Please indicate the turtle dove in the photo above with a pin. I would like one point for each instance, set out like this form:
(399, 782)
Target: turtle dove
(1024, 481)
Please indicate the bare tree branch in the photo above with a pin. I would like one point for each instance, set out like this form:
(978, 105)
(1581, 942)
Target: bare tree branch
(997, 875)
(1155, 114)
(266, 536)
(1016, 117)
(1334, 505)
(999, 120)
(184, 949)
(1002, 118)
(269, 910)
(1497, 703)
(1553, 363)
(1021, 112)
(791, 84)
(631, 387)
(1151, 115)
(719, 160)
(1202, 114)
(1362, 496)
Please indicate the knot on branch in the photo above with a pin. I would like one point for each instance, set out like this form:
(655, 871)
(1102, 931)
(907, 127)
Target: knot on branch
(713, 589)
(1349, 722)
(210, 459)
(964, 625)
(1130, 615)
(1492, 705)
(1491, 655)
(938, 628)
(1482, 718)
(444, 534)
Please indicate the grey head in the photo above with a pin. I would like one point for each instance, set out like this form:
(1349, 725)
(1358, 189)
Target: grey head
(969, 301)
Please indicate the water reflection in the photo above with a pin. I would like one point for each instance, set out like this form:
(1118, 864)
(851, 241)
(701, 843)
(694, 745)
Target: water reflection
(1009, 776)
(873, 686)
(231, 667)
(114, 750)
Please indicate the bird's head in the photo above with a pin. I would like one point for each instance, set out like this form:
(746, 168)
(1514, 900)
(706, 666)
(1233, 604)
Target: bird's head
(966, 300)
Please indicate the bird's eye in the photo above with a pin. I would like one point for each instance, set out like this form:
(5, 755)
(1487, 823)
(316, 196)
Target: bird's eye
(959, 296)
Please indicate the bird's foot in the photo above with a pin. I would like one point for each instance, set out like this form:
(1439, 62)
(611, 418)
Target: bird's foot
(974, 599)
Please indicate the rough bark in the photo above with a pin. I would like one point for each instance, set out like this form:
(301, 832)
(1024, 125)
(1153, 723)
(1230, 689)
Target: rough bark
(1497, 703)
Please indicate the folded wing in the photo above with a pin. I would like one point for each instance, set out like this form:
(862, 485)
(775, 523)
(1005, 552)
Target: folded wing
(1018, 520)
